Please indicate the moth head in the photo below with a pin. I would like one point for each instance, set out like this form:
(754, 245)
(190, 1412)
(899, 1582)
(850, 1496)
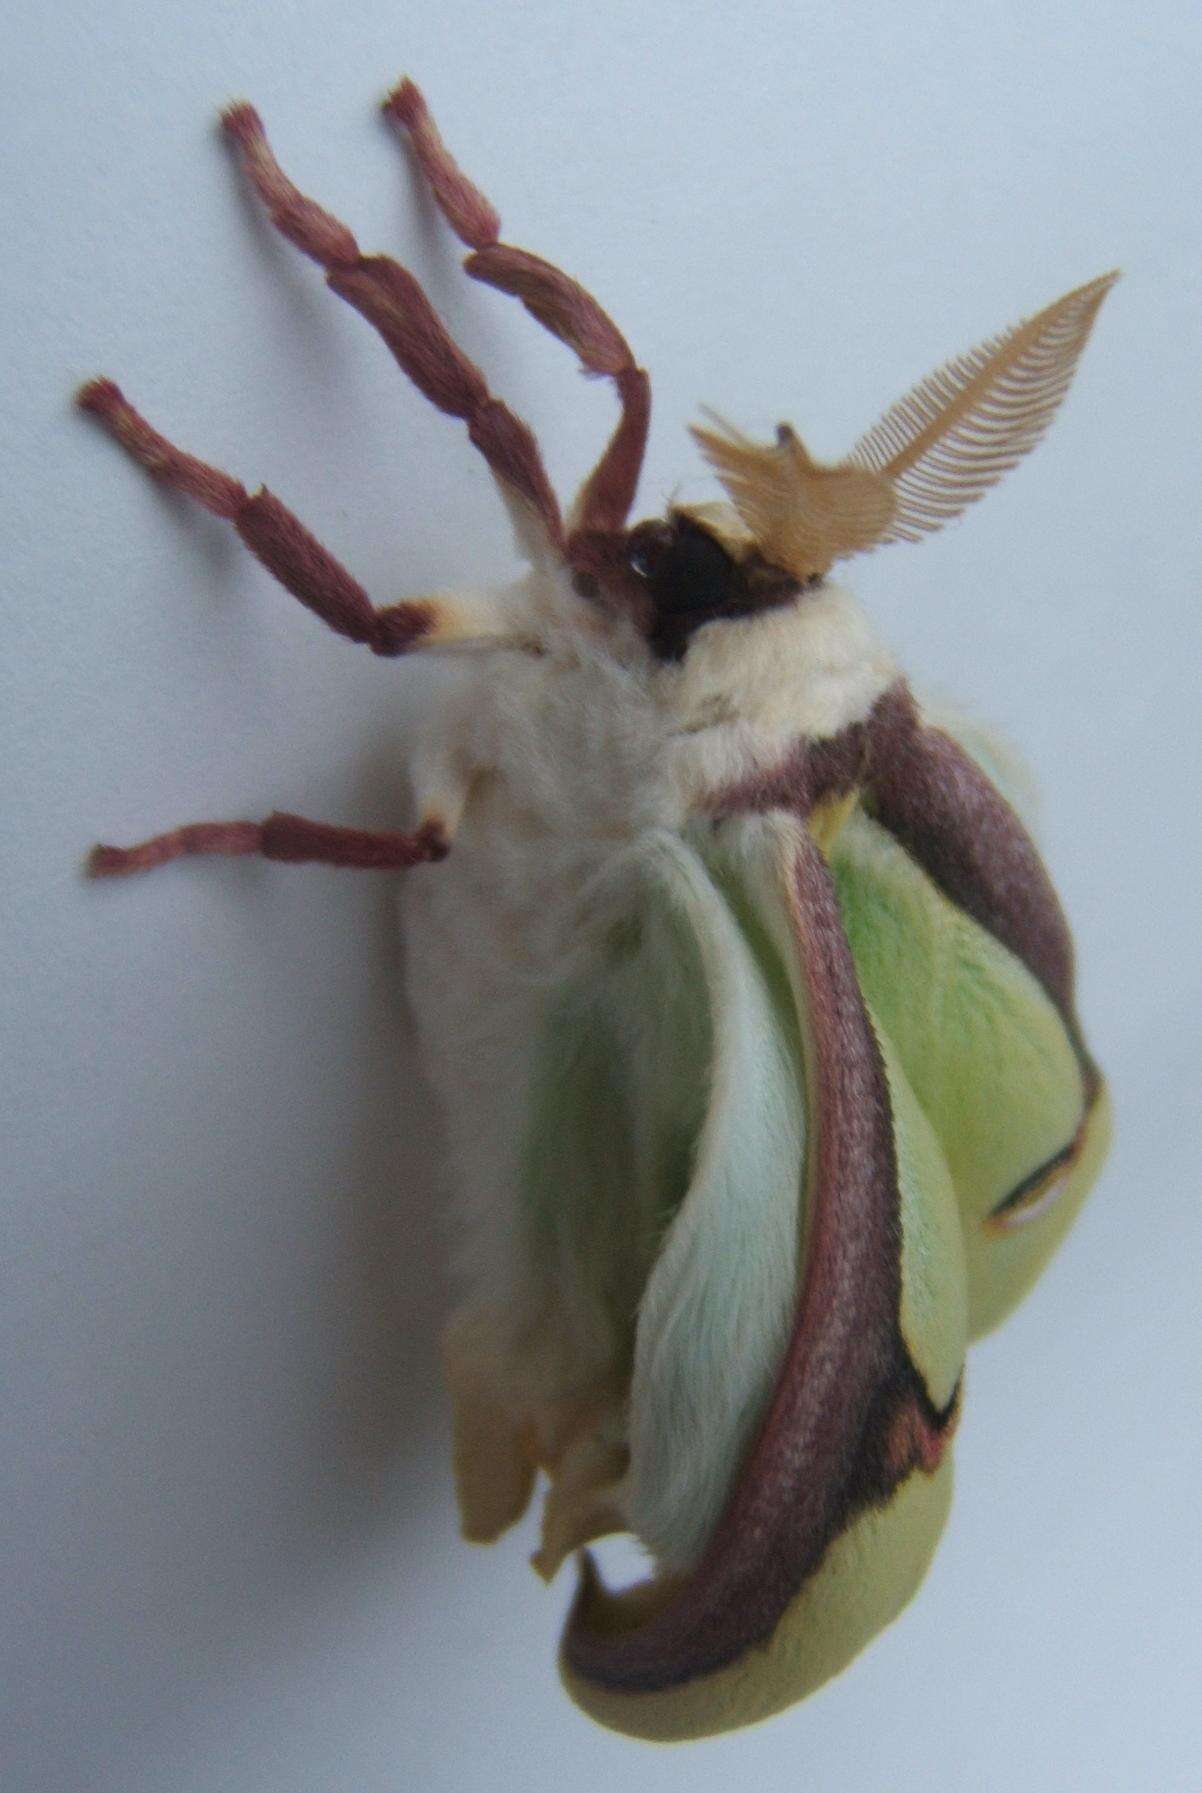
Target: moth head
(670, 575)
(790, 517)
(787, 522)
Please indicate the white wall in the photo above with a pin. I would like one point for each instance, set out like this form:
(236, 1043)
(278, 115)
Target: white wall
(234, 1562)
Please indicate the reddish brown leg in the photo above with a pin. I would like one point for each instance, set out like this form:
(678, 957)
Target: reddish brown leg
(559, 303)
(286, 837)
(390, 298)
(268, 528)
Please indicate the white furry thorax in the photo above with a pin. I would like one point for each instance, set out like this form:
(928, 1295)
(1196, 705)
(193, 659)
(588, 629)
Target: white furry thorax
(595, 737)
(557, 762)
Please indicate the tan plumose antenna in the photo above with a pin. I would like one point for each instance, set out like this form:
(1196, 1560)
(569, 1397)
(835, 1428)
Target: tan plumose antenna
(933, 453)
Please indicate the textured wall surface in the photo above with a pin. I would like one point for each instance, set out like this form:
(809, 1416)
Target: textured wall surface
(231, 1561)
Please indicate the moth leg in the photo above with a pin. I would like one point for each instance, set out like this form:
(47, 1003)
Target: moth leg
(391, 300)
(558, 302)
(285, 547)
(292, 839)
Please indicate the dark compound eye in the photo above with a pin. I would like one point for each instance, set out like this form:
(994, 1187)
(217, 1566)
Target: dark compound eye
(687, 578)
(697, 574)
(686, 569)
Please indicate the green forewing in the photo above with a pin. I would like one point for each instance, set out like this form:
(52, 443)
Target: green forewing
(981, 1044)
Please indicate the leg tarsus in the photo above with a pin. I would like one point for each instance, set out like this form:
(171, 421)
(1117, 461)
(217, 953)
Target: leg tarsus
(217, 491)
(292, 839)
(471, 216)
(179, 843)
(307, 225)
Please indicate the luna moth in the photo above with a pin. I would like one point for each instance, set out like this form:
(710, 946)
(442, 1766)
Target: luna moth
(746, 993)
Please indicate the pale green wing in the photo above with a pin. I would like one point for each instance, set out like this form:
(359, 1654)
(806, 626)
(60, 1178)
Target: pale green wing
(934, 1278)
(662, 1185)
(986, 1053)
(717, 1311)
